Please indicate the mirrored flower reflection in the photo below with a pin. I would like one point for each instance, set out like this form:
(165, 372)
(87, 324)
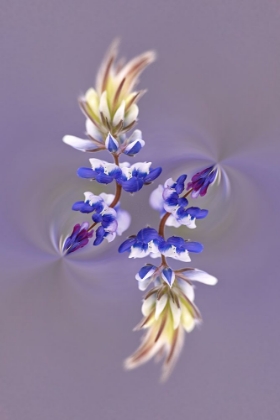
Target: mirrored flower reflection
(133, 177)
(111, 106)
(149, 242)
(168, 311)
(201, 181)
(167, 199)
(111, 221)
(78, 238)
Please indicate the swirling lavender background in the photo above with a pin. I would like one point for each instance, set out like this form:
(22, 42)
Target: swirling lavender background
(65, 323)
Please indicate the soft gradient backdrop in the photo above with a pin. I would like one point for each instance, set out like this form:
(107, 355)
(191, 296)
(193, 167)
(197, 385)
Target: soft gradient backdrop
(66, 323)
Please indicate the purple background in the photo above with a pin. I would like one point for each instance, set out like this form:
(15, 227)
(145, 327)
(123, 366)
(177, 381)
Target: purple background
(65, 323)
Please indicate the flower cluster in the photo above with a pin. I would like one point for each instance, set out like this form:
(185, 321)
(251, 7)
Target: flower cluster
(168, 307)
(110, 111)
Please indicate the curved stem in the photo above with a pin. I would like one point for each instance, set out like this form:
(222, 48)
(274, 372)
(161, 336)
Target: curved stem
(162, 224)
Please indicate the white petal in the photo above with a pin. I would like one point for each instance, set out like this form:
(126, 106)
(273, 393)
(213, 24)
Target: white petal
(131, 115)
(201, 276)
(148, 305)
(187, 319)
(124, 165)
(188, 221)
(169, 182)
(123, 219)
(156, 255)
(160, 305)
(171, 221)
(183, 256)
(138, 253)
(108, 198)
(136, 135)
(92, 99)
(91, 198)
(111, 236)
(96, 163)
(156, 200)
(93, 131)
(142, 285)
(119, 114)
(103, 106)
(80, 144)
(143, 167)
(187, 289)
(176, 314)
(153, 248)
(127, 172)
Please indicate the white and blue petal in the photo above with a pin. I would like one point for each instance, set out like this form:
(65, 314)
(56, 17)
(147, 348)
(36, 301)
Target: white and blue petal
(168, 276)
(145, 272)
(111, 143)
(200, 276)
(84, 145)
(134, 147)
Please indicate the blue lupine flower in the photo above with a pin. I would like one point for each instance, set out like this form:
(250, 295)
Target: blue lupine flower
(108, 225)
(144, 243)
(177, 248)
(91, 203)
(201, 181)
(188, 216)
(100, 205)
(102, 171)
(135, 144)
(111, 143)
(135, 176)
(146, 275)
(175, 205)
(78, 238)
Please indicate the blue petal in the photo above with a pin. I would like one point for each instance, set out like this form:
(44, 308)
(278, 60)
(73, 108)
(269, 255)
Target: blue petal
(154, 173)
(193, 247)
(132, 185)
(145, 270)
(202, 213)
(78, 205)
(133, 150)
(111, 143)
(100, 232)
(86, 173)
(103, 178)
(97, 218)
(168, 275)
(127, 244)
(147, 234)
(180, 184)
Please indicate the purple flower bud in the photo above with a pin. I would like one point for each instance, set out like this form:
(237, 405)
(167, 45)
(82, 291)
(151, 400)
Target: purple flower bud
(201, 181)
(78, 238)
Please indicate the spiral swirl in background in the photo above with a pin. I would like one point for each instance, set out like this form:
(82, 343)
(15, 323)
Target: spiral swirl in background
(65, 322)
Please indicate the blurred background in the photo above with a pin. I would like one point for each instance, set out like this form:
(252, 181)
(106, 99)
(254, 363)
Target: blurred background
(213, 97)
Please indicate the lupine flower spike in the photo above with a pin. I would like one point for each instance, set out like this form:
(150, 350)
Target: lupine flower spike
(168, 307)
